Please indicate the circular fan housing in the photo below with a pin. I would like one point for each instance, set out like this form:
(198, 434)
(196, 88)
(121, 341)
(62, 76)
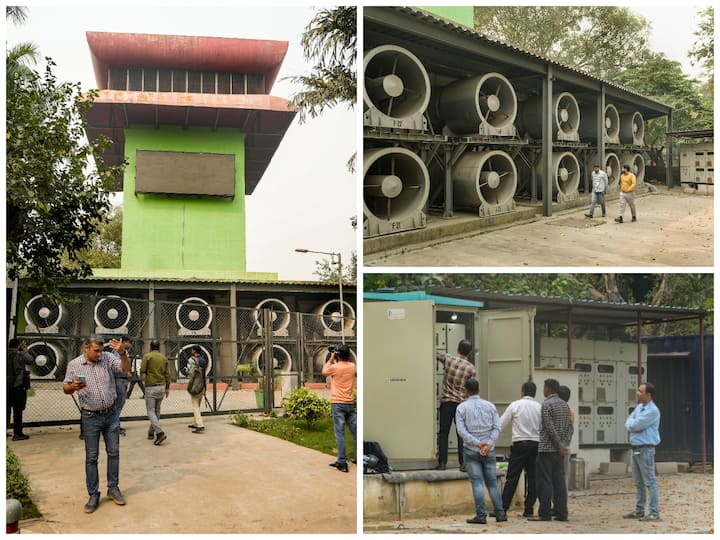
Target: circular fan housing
(632, 128)
(282, 360)
(396, 183)
(636, 164)
(279, 315)
(112, 313)
(567, 116)
(396, 83)
(332, 319)
(184, 355)
(484, 178)
(42, 315)
(320, 356)
(567, 172)
(194, 315)
(47, 357)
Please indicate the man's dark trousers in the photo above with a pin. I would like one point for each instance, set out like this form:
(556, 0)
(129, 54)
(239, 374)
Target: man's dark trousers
(523, 455)
(447, 417)
(551, 485)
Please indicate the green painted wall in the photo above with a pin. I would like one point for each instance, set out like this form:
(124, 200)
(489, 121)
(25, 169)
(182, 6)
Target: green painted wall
(459, 14)
(183, 236)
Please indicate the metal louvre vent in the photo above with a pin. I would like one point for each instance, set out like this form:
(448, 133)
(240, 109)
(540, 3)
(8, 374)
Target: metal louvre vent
(194, 316)
(112, 315)
(42, 316)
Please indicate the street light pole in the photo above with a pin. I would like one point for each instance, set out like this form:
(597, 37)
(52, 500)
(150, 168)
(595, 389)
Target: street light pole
(340, 280)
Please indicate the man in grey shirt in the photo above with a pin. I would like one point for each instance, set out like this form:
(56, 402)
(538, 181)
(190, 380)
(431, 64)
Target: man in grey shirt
(599, 186)
(478, 423)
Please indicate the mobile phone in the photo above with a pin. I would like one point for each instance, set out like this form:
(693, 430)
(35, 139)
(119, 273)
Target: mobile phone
(82, 379)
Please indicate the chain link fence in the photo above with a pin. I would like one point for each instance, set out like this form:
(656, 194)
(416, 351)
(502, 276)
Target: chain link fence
(241, 374)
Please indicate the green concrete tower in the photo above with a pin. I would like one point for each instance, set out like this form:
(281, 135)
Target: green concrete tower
(194, 120)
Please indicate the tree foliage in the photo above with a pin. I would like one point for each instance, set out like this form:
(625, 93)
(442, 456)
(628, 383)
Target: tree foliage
(327, 270)
(703, 50)
(105, 249)
(55, 201)
(330, 40)
(678, 290)
(595, 39)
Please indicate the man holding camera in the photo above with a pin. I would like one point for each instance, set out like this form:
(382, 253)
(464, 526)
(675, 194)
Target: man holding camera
(92, 376)
(342, 371)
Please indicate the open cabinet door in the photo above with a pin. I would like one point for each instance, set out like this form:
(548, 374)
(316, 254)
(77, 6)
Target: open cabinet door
(505, 358)
(398, 381)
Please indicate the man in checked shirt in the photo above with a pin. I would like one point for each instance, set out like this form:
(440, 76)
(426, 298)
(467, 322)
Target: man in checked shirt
(457, 370)
(92, 376)
(556, 430)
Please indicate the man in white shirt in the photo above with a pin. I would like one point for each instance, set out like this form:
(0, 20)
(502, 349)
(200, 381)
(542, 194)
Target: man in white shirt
(524, 414)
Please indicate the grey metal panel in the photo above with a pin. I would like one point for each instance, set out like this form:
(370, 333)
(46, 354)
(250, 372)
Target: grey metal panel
(185, 173)
(399, 379)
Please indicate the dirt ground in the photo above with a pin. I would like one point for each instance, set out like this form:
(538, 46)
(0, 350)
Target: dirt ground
(674, 228)
(227, 480)
(686, 506)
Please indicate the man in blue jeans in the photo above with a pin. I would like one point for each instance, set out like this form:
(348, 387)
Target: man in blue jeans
(92, 376)
(342, 371)
(478, 423)
(644, 427)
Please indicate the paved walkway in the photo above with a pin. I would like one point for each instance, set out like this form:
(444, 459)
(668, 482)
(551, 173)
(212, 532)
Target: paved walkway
(674, 228)
(686, 506)
(227, 480)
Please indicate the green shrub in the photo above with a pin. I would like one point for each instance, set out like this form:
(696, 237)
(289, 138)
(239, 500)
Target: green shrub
(17, 485)
(241, 419)
(304, 404)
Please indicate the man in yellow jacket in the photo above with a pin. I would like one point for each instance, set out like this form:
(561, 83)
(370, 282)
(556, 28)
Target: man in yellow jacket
(627, 193)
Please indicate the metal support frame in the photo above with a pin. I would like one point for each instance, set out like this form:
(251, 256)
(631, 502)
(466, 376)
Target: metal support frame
(546, 153)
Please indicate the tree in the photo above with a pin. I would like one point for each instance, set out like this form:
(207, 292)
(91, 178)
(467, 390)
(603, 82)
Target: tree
(20, 57)
(105, 249)
(327, 270)
(55, 201)
(703, 50)
(595, 39)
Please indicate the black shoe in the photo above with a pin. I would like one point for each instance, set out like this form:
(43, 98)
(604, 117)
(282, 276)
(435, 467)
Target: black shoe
(354, 461)
(527, 514)
(159, 438)
(116, 496)
(619, 219)
(199, 429)
(20, 437)
(477, 520)
(539, 518)
(462, 468)
(634, 218)
(558, 518)
(342, 467)
(491, 514)
(501, 518)
(588, 216)
(441, 467)
(122, 431)
(193, 426)
(151, 435)
(92, 503)
(634, 515)
(334, 464)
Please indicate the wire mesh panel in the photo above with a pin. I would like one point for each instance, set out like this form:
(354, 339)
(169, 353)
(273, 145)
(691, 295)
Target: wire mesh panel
(236, 342)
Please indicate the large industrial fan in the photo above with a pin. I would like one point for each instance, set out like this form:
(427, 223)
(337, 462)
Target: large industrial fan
(184, 354)
(481, 105)
(566, 117)
(44, 317)
(397, 89)
(636, 164)
(610, 128)
(632, 129)
(112, 315)
(611, 168)
(279, 315)
(565, 170)
(321, 355)
(334, 322)
(194, 316)
(281, 359)
(395, 188)
(485, 180)
(48, 357)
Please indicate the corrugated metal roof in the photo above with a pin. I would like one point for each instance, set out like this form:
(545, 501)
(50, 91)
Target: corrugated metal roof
(204, 280)
(422, 295)
(468, 32)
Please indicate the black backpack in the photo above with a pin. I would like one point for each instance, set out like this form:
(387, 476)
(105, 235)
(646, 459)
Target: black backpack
(374, 459)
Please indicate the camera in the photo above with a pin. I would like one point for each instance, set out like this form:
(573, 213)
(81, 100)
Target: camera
(331, 350)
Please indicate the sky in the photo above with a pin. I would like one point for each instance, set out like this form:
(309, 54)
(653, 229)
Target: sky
(307, 195)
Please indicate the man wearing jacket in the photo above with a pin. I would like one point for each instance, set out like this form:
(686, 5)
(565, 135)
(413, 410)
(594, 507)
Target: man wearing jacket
(156, 372)
(599, 186)
(627, 193)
